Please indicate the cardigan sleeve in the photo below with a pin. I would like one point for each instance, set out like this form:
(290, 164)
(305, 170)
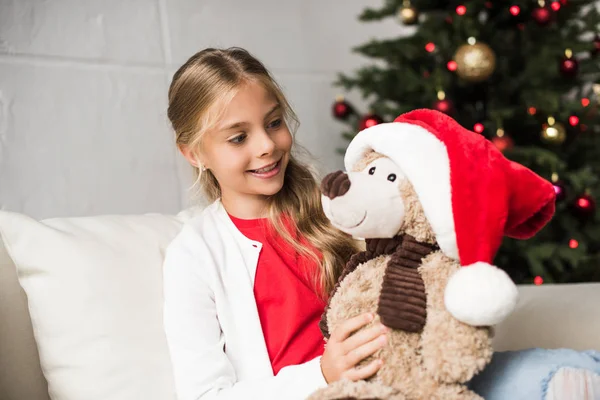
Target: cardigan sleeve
(201, 369)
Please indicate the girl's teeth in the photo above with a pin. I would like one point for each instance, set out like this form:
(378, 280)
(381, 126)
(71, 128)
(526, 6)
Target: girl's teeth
(267, 169)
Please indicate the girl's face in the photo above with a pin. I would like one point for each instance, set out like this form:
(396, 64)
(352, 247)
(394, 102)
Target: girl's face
(249, 149)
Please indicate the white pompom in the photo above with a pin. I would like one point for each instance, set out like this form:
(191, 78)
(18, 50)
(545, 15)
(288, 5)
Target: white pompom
(480, 294)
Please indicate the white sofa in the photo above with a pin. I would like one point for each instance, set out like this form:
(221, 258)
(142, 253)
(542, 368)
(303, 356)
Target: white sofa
(81, 309)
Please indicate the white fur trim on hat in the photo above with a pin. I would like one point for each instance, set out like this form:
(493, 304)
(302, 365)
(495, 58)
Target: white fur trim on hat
(480, 294)
(424, 160)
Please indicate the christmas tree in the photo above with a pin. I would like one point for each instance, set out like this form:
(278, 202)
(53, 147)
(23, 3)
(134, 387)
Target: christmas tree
(521, 73)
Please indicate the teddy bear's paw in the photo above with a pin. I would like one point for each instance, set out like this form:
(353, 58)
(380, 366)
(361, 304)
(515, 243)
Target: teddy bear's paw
(360, 390)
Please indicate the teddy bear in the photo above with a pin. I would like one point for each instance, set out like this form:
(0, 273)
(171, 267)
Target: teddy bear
(432, 201)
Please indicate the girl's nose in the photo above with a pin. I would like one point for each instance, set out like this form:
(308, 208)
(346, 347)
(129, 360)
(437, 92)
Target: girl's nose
(266, 144)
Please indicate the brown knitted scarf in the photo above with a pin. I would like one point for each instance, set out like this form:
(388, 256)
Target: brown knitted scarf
(402, 302)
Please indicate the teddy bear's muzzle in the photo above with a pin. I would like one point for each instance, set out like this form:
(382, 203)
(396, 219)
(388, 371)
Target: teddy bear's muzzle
(335, 184)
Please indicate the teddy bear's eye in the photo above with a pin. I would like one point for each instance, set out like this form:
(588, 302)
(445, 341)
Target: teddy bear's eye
(391, 177)
(372, 171)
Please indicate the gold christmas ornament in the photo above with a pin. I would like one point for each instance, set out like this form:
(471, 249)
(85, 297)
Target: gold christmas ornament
(475, 62)
(407, 14)
(553, 132)
(596, 89)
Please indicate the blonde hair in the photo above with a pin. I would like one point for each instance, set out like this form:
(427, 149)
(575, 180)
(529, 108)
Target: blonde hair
(197, 95)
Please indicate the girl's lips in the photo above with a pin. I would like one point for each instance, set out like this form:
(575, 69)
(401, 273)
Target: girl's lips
(268, 166)
(269, 173)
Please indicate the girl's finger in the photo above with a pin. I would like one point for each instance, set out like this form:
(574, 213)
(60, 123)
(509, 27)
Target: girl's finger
(346, 328)
(360, 353)
(363, 336)
(365, 372)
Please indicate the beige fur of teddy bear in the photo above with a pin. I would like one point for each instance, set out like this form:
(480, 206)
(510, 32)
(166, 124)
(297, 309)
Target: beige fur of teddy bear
(435, 353)
(433, 201)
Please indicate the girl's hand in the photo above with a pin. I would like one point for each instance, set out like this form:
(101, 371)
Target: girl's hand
(343, 352)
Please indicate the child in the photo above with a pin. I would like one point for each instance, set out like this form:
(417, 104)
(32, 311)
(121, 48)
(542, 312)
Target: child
(245, 282)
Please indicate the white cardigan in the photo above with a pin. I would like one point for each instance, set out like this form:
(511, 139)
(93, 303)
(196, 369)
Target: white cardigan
(211, 321)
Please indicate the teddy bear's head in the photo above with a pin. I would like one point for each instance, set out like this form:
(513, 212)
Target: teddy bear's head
(374, 200)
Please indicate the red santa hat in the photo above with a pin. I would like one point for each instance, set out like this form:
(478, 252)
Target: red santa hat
(471, 195)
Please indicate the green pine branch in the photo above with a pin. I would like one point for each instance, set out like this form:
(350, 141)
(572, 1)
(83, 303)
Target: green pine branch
(525, 89)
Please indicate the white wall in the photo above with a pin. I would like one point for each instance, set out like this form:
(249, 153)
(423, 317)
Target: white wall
(83, 88)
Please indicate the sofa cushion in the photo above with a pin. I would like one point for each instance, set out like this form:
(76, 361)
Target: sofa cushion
(94, 289)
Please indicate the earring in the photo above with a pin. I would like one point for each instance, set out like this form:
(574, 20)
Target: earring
(203, 168)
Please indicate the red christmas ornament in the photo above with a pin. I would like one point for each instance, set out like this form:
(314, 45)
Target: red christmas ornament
(478, 127)
(430, 47)
(585, 206)
(368, 121)
(452, 65)
(568, 67)
(573, 243)
(555, 5)
(514, 10)
(444, 106)
(461, 10)
(596, 48)
(573, 120)
(560, 190)
(542, 15)
(538, 280)
(585, 102)
(342, 109)
(503, 143)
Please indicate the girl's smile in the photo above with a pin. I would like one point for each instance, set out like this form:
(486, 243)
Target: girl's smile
(268, 171)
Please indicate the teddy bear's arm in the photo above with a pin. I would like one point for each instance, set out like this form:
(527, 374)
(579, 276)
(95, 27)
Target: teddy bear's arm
(351, 265)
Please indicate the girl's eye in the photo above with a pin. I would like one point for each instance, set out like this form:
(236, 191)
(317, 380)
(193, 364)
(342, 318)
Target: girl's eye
(275, 124)
(372, 171)
(238, 139)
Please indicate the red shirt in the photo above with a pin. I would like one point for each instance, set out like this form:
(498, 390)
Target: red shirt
(288, 306)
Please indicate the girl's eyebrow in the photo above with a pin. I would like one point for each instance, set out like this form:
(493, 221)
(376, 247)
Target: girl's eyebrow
(236, 125)
(275, 108)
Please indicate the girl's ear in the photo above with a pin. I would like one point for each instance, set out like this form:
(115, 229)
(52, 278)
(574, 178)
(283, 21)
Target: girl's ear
(190, 156)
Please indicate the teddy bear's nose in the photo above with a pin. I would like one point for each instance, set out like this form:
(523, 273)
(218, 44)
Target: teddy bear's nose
(335, 184)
